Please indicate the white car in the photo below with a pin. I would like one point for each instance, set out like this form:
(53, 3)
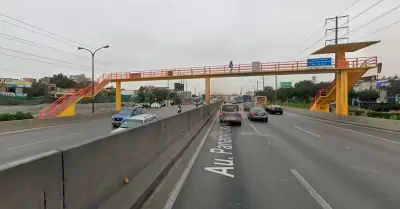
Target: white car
(155, 105)
(136, 121)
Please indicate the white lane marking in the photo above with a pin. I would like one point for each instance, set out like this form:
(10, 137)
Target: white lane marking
(365, 169)
(311, 190)
(376, 137)
(347, 124)
(307, 131)
(257, 131)
(178, 186)
(38, 142)
(288, 114)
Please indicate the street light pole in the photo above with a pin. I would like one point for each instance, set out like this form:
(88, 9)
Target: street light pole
(93, 53)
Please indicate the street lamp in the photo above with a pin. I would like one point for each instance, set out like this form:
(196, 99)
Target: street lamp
(93, 53)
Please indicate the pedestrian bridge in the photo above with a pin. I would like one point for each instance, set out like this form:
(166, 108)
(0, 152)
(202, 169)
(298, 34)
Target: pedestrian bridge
(348, 70)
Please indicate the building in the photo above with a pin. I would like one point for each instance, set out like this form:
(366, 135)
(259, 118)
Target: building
(13, 87)
(81, 78)
(32, 80)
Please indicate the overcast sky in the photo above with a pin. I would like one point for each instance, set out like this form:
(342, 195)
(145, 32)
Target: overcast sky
(153, 34)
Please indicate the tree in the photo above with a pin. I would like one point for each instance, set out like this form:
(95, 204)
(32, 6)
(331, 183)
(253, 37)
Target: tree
(161, 94)
(368, 95)
(393, 88)
(149, 97)
(36, 90)
(62, 81)
(141, 89)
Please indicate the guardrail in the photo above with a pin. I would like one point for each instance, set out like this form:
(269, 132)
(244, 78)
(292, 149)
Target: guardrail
(95, 173)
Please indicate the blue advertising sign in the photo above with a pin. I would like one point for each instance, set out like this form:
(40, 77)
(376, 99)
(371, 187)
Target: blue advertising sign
(382, 84)
(319, 62)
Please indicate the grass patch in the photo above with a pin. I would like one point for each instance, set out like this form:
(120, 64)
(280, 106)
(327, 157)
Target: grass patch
(15, 116)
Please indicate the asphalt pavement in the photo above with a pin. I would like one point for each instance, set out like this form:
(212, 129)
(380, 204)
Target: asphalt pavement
(25, 144)
(290, 162)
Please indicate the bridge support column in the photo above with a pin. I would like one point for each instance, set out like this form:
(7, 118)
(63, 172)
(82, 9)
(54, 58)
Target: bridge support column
(208, 87)
(342, 88)
(118, 95)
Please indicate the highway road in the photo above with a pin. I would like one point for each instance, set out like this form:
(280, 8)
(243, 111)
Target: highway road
(289, 162)
(25, 144)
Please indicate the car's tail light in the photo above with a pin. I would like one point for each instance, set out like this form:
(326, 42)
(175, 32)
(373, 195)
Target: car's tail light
(272, 108)
(252, 113)
(220, 113)
(240, 114)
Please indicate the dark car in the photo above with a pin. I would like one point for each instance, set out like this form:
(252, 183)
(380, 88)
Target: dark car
(274, 109)
(116, 120)
(248, 106)
(257, 113)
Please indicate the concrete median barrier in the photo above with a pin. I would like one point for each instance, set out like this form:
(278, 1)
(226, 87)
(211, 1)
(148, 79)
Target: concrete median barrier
(34, 182)
(99, 172)
(385, 124)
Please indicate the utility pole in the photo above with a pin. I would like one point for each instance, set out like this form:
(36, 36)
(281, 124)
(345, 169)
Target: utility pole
(276, 89)
(263, 84)
(336, 29)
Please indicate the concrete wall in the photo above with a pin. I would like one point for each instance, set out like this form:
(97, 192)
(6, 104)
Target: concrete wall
(94, 171)
(392, 125)
(86, 175)
(34, 183)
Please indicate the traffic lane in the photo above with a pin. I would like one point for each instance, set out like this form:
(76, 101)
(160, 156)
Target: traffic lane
(17, 146)
(250, 175)
(343, 178)
(390, 135)
(363, 150)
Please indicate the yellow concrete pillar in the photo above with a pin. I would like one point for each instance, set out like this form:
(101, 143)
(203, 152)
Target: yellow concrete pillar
(322, 107)
(208, 90)
(342, 99)
(338, 91)
(118, 96)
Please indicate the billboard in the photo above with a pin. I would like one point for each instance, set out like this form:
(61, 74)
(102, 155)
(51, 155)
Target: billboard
(382, 84)
(179, 86)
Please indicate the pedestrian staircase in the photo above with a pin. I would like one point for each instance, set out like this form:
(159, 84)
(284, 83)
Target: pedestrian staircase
(68, 100)
(324, 97)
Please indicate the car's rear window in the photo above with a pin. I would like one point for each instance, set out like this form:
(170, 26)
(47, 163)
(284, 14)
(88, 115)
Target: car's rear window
(257, 109)
(276, 106)
(230, 108)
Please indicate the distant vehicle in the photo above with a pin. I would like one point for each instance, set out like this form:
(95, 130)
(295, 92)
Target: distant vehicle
(116, 120)
(248, 106)
(234, 102)
(257, 113)
(230, 113)
(136, 121)
(260, 101)
(274, 109)
(155, 105)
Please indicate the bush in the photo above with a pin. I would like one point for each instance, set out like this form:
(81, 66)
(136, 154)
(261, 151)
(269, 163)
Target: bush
(15, 116)
(395, 117)
(356, 112)
(383, 115)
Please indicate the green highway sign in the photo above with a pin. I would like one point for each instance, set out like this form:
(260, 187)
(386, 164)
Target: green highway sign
(285, 84)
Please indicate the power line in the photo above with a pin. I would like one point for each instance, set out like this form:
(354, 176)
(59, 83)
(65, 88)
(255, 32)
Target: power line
(379, 30)
(16, 51)
(33, 60)
(364, 11)
(375, 19)
(31, 43)
(54, 34)
(351, 5)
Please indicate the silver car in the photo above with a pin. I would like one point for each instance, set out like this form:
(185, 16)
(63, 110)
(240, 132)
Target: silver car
(257, 113)
(230, 113)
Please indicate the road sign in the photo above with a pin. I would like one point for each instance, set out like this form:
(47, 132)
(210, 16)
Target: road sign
(285, 84)
(319, 62)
